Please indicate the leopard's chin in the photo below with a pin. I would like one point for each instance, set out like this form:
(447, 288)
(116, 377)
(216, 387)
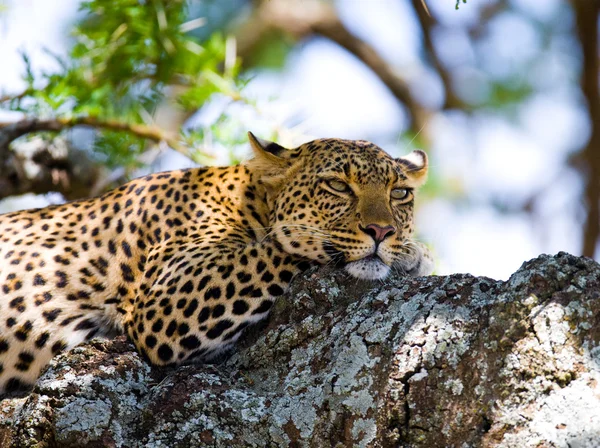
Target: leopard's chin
(368, 268)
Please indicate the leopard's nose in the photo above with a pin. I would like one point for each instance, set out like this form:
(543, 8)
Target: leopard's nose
(377, 232)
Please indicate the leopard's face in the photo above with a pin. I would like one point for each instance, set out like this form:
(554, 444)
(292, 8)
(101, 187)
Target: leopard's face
(348, 203)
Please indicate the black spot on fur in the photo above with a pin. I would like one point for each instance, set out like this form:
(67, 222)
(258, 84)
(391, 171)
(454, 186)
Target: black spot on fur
(150, 341)
(165, 353)
(240, 307)
(190, 342)
(275, 290)
(263, 308)
(218, 329)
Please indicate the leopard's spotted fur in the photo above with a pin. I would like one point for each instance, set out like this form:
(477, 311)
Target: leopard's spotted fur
(183, 261)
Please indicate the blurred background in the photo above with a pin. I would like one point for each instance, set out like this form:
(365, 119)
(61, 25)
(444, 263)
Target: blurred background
(502, 94)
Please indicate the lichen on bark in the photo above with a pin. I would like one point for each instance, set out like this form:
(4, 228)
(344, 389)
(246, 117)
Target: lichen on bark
(434, 361)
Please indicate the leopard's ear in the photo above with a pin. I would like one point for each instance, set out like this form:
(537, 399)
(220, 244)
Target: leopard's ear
(415, 166)
(271, 161)
(261, 146)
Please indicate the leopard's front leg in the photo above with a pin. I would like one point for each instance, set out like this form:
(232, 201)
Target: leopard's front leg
(196, 299)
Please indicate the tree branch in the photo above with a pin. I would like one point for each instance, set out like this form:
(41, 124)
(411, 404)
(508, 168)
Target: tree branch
(333, 29)
(14, 130)
(316, 17)
(427, 23)
(41, 166)
(18, 96)
(486, 14)
(37, 167)
(586, 13)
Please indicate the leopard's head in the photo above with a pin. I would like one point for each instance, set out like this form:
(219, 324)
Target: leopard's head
(342, 201)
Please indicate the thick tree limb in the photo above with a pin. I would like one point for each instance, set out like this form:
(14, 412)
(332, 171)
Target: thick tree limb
(414, 362)
(586, 12)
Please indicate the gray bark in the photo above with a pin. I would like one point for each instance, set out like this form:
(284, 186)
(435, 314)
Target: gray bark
(454, 361)
(42, 166)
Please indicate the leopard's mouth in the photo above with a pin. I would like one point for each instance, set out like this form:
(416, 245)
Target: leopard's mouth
(371, 267)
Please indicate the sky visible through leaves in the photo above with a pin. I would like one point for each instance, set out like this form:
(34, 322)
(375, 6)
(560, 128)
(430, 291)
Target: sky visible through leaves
(485, 165)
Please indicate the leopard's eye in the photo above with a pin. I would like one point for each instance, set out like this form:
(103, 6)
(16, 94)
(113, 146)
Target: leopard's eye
(400, 193)
(338, 185)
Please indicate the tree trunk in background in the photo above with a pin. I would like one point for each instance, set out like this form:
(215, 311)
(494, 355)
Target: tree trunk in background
(587, 12)
(438, 361)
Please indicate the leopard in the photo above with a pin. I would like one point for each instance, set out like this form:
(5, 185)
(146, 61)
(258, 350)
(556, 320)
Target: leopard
(183, 261)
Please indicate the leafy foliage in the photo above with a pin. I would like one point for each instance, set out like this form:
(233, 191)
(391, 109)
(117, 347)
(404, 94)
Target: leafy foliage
(127, 57)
